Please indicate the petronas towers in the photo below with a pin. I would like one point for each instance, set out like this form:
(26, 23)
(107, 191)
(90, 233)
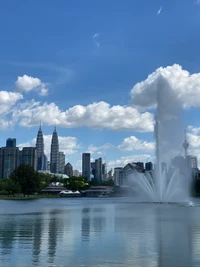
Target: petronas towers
(57, 158)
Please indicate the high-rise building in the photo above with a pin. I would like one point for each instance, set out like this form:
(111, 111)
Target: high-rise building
(40, 150)
(98, 169)
(192, 161)
(29, 156)
(104, 172)
(93, 168)
(61, 162)
(149, 166)
(11, 142)
(54, 157)
(86, 169)
(9, 160)
(68, 170)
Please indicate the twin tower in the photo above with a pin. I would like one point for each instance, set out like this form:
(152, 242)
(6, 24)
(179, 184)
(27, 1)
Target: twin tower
(54, 156)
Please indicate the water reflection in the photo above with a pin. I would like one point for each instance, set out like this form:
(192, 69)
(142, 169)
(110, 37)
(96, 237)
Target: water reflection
(174, 237)
(85, 224)
(37, 238)
(117, 234)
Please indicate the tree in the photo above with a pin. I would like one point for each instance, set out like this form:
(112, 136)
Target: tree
(26, 177)
(10, 187)
(76, 183)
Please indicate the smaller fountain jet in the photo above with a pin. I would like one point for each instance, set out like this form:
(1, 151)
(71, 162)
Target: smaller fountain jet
(185, 145)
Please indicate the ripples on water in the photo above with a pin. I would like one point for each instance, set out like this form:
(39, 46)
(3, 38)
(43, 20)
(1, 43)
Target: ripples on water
(98, 232)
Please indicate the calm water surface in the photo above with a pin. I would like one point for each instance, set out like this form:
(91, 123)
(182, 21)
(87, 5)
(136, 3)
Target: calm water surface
(98, 232)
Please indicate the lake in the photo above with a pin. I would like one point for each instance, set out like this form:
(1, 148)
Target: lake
(98, 232)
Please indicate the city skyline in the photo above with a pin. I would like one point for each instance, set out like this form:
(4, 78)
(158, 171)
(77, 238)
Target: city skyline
(95, 80)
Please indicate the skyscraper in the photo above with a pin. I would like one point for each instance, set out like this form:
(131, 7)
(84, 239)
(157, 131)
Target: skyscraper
(86, 168)
(9, 159)
(11, 142)
(40, 150)
(54, 157)
(29, 156)
(98, 169)
(61, 162)
(68, 169)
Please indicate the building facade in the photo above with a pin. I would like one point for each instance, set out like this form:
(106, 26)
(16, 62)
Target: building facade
(61, 162)
(98, 170)
(54, 157)
(68, 170)
(9, 160)
(86, 169)
(29, 156)
(11, 142)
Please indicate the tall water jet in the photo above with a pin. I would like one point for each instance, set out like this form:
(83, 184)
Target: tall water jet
(170, 183)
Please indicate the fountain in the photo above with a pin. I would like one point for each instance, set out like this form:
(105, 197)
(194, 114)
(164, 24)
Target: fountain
(170, 179)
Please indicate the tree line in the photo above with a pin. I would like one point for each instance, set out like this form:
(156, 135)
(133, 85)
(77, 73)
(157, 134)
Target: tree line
(25, 180)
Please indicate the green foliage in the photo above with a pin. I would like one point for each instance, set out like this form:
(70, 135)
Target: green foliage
(76, 183)
(27, 178)
(105, 183)
(8, 187)
(44, 179)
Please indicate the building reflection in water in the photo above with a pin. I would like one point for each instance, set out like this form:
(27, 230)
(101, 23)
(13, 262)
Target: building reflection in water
(98, 220)
(7, 235)
(37, 238)
(85, 224)
(52, 236)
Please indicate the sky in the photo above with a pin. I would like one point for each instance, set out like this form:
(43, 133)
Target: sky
(91, 67)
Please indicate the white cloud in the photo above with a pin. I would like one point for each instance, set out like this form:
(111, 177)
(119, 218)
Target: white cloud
(98, 149)
(43, 91)
(67, 144)
(98, 115)
(8, 100)
(159, 11)
(185, 85)
(95, 35)
(133, 143)
(95, 38)
(128, 159)
(27, 83)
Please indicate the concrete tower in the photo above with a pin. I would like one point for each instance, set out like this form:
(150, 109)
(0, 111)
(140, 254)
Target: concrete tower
(54, 158)
(40, 150)
(185, 145)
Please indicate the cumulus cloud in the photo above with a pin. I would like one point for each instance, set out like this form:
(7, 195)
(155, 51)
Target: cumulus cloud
(121, 162)
(98, 115)
(8, 100)
(67, 144)
(27, 83)
(185, 85)
(133, 143)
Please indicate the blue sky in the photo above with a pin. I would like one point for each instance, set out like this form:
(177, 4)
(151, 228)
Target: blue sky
(55, 55)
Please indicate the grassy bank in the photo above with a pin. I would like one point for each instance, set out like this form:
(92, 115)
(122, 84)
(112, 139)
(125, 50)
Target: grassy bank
(21, 197)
